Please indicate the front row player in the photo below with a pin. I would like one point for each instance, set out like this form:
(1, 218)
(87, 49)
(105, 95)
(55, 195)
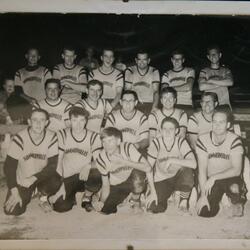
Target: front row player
(31, 162)
(220, 161)
(174, 163)
(116, 162)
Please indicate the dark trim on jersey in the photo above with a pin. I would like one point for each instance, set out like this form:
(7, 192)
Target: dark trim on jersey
(103, 162)
(44, 134)
(192, 118)
(205, 118)
(120, 77)
(140, 72)
(155, 81)
(193, 133)
(90, 105)
(106, 74)
(135, 111)
(111, 115)
(100, 164)
(56, 68)
(151, 156)
(128, 82)
(53, 137)
(60, 131)
(201, 145)
(18, 74)
(69, 68)
(219, 144)
(166, 145)
(215, 68)
(32, 68)
(143, 119)
(51, 105)
(84, 137)
(67, 108)
(126, 148)
(157, 146)
(237, 145)
(55, 141)
(143, 132)
(18, 144)
(61, 149)
(182, 126)
(139, 160)
(153, 129)
(19, 137)
(170, 114)
(97, 149)
(236, 142)
(93, 138)
(187, 154)
(108, 155)
(180, 142)
(177, 71)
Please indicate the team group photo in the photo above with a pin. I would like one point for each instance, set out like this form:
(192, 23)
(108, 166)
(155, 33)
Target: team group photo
(124, 127)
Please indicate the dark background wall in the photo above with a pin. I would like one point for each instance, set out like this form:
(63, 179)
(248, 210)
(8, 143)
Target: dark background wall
(159, 34)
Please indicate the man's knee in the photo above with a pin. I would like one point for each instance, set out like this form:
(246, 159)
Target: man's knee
(138, 182)
(16, 211)
(236, 195)
(62, 206)
(159, 208)
(94, 182)
(205, 212)
(186, 179)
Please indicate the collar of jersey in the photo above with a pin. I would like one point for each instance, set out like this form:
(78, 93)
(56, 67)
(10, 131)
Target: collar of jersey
(32, 68)
(75, 138)
(32, 139)
(69, 68)
(140, 72)
(113, 69)
(126, 118)
(53, 105)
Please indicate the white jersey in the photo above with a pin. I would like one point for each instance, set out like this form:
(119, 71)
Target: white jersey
(198, 124)
(32, 80)
(32, 157)
(77, 153)
(111, 81)
(58, 113)
(96, 115)
(178, 78)
(155, 119)
(118, 174)
(132, 130)
(76, 75)
(220, 73)
(159, 152)
(143, 84)
(218, 155)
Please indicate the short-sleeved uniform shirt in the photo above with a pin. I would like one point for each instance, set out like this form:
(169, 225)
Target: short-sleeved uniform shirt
(133, 129)
(160, 153)
(76, 75)
(172, 78)
(111, 81)
(223, 73)
(143, 84)
(118, 174)
(155, 119)
(96, 115)
(219, 155)
(58, 113)
(77, 153)
(32, 157)
(32, 80)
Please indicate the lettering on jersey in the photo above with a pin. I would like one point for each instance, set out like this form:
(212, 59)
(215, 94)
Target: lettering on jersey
(178, 79)
(218, 155)
(129, 130)
(69, 77)
(143, 84)
(118, 170)
(32, 79)
(76, 150)
(95, 117)
(56, 116)
(35, 156)
(109, 84)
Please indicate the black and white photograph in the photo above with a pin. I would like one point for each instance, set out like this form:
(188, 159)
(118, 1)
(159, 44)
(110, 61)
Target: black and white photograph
(124, 127)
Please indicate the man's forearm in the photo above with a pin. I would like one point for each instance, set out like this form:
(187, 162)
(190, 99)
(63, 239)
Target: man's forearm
(155, 100)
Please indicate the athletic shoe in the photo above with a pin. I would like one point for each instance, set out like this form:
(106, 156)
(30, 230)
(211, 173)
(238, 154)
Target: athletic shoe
(86, 203)
(45, 205)
(237, 210)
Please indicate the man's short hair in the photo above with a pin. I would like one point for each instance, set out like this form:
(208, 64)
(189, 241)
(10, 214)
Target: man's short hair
(166, 90)
(94, 82)
(32, 48)
(8, 78)
(39, 110)
(69, 48)
(171, 120)
(108, 49)
(130, 92)
(52, 80)
(212, 94)
(111, 131)
(177, 52)
(77, 111)
(142, 51)
(213, 46)
(224, 110)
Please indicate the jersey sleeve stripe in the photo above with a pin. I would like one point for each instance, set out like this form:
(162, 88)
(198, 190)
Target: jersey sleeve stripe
(61, 133)
(55, 141)
(126, 148)
(119, 78)
(156, 145)
(155, 81)
(197, 145)
(129, 69)
(143, 132)
(202, 145)
(56, 68)
(192, 118)
(100, 148)
(152, 129)
(143, 119)
(126, 81)
(19, 138)
(236, 141)
(139, 160)
(192, 133)
(152, 156)
(54, 136)
(17, 143)
(61, 149)
(187, 154)
(100, 164)
(182, 126)
(236, 145)
(103, 162)
(92, 138)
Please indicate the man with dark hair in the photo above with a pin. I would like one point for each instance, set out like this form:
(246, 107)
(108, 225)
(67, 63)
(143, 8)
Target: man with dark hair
(144, 80)
(220, 162)
(31, 162)
(77, 149)
(72, 76)
(111, 77)
(97, 107)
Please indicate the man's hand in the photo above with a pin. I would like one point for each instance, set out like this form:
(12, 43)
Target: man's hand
(202, 202)
(13, 200)
(97, 205)
(208, 185)
(84, 174)
(152, 197)
(60, 193)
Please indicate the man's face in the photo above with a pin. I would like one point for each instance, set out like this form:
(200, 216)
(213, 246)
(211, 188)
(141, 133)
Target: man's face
(110, 144)
(9, 86)
(214, 56)
(220, 124)
(168, 130)
(107, 58)
(52, 91)
(142, 61)
(32, 57)
(69, 57)
(128, 103)
(177, 61)
(78, 123)
(168, 100)
(208, 104)
(38, 122)
(94, 92)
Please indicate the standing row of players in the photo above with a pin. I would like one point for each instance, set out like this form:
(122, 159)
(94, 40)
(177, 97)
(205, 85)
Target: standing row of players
(132, 152)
